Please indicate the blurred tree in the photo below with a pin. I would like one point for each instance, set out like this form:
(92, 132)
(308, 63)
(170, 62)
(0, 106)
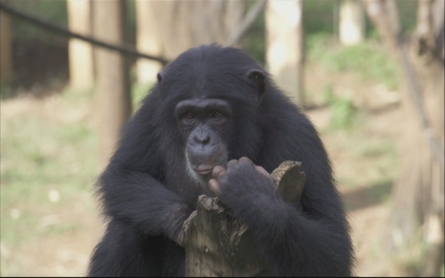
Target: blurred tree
(80, 53)
(5, 48)
(147, 41)
(418, 195)
(187, 24)
(352, 22)
(284, 46)
(113, 99)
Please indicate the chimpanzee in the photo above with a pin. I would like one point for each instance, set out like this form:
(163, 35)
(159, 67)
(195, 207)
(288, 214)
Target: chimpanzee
(216, 124)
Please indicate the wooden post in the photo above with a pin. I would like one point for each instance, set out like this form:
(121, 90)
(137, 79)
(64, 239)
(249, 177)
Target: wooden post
(195, 23)
(81, 64)
(352, 22)
(113, 95)
(147, 41)
(5, 48)
(218, 244)
(284, 40)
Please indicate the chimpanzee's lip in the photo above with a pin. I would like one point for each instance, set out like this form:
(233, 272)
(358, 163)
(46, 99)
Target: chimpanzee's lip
(203, 170)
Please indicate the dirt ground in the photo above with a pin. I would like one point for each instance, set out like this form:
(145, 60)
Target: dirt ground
(367, 216)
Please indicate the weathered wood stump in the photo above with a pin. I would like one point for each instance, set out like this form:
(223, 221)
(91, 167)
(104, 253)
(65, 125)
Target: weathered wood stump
(218, 244)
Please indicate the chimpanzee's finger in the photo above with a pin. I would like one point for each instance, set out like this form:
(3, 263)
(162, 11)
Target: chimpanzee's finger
(247, 160)
(262, 171)
(213, 186)
(232, 163)
(218, 171)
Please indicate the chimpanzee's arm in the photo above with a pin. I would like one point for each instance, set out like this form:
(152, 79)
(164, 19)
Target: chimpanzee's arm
(143, 202)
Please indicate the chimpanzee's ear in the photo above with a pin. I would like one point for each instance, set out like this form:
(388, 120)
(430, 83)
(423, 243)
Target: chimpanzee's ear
(159, 76)
(159, 85)
(258, 78)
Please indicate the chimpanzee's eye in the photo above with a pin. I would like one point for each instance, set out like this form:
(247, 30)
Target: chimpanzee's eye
(189, 116)
(217, 115)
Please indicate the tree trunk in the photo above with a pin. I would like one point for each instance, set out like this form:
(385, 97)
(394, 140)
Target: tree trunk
(81, 66)
(284, 40)
(352, 22)
(113, 98)
(5, 48)
(217, 244)
(192, 23)
(147, 41)
(418, 194)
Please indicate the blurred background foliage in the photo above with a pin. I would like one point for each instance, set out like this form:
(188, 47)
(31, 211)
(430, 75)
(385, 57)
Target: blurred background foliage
(320, 40)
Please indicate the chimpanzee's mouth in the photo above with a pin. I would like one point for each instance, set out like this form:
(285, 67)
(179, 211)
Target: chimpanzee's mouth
(203, 170)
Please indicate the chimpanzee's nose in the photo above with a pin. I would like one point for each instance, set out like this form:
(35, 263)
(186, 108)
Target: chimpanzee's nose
(202, 138)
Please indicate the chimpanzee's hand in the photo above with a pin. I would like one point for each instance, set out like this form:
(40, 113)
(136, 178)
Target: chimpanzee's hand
(243, 184)
(180, 239)
(174, 217)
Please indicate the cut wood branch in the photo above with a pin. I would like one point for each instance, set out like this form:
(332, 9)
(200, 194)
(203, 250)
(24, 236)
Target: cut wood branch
(218, 244)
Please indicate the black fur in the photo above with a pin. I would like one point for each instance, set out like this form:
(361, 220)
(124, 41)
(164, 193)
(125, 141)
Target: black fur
(147, 191)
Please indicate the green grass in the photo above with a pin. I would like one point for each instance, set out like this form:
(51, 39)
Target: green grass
(343, 113)
(369, 59)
